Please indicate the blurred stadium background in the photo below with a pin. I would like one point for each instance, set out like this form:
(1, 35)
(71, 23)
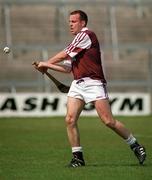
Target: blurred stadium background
(37, 29)
(36, 148)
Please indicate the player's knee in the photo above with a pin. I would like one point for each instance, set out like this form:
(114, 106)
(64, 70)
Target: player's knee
(70, 121)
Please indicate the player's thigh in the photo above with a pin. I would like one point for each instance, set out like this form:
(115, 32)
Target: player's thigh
(104, 110)
(74, 107)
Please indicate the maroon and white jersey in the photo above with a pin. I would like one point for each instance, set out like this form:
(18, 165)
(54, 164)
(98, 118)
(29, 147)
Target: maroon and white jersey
(84, 52)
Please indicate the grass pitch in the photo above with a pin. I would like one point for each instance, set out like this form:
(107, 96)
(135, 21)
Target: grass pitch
(37, 149)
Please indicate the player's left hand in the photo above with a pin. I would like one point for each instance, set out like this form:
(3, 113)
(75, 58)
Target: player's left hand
(40, 66)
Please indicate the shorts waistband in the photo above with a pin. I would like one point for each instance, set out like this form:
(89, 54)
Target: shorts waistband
(88, 80)
(79, 81)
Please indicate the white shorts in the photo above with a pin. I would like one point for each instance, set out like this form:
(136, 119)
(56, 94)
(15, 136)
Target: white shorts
(88, 90)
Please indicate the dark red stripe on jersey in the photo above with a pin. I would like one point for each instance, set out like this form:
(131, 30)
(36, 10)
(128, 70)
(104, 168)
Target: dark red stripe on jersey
(80, 36)
(72, 46)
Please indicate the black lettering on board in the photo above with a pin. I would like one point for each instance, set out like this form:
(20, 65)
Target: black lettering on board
(9, 104)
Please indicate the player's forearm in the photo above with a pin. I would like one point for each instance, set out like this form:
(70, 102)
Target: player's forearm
(52, 63)
(59, 68)
(58, 58)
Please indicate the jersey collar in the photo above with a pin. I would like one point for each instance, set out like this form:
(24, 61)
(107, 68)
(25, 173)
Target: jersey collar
(84, 29)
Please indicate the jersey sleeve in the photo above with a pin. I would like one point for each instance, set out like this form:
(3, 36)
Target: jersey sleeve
(81, 41)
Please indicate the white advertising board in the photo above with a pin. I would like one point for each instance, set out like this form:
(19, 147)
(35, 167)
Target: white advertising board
(48, 104)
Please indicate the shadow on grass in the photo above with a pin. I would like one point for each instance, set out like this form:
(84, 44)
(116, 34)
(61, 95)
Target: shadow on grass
(119, 165)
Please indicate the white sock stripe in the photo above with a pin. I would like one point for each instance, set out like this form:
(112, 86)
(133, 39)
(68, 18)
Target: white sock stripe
(76, 149)
(131, 140)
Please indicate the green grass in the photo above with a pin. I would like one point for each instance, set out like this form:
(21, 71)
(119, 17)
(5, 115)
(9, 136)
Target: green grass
(37, 148)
